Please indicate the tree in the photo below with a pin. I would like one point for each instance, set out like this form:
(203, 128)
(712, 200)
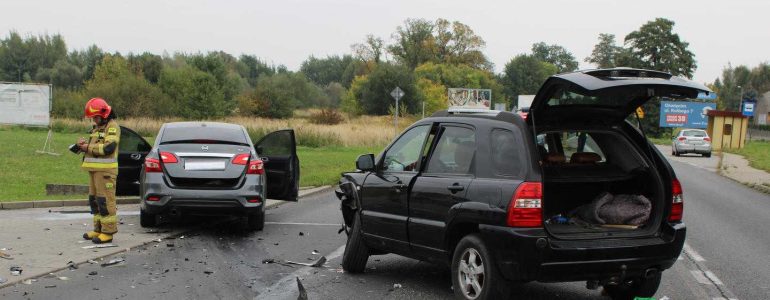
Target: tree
(62, 75)
(605, 52)
(196, 94)
(87, 60)
(456, 43)
(127, 93)
(250, 67)
(658, 48)
(524, 75)
(277, 96)
(146, 64)
(326, 70)
(555, 55)
(371, 94)
(434, 77)
(371, 50)
(414, 43)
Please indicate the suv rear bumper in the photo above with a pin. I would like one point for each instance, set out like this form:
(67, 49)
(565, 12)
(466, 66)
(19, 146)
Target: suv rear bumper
(530, 255)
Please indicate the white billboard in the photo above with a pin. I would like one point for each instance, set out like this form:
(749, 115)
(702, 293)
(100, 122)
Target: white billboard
(470, 98)
(25, 104)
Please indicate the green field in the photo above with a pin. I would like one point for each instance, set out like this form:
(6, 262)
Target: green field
(757, 153)
(24, 173)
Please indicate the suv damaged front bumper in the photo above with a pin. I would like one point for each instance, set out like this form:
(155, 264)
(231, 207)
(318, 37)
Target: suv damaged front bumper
(529, 254)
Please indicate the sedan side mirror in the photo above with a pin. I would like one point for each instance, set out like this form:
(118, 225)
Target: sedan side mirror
(365, 162)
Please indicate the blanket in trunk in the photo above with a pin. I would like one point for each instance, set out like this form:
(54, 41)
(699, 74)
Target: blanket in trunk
(615, 209)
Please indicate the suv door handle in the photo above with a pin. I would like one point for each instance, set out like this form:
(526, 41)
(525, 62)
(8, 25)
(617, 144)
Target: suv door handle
(455, 188)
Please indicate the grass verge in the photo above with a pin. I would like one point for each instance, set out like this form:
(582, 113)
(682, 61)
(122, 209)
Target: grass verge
(757, 153)
(24, 173)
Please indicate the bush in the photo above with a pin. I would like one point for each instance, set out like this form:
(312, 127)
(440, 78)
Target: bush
(326, 116)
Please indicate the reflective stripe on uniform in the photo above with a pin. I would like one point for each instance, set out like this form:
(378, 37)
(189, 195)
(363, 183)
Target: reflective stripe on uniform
(99, 160)
(99, 165)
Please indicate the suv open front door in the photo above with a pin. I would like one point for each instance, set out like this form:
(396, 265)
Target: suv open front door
(278, 151)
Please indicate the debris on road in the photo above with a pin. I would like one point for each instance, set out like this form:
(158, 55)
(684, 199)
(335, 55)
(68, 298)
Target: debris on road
(93, 262)
(396, 285)
(64, 278)
(71, 265)
(112, 262)
(50, 286)
(5, 255)
(302, 291)
(99, 246)
(28, 281)
(301, 233)
(315, 252)
(2, 280)
(16, 270)
(268, 261)
(208, 272)
(170, 245)
(319, 263)
(92, 273)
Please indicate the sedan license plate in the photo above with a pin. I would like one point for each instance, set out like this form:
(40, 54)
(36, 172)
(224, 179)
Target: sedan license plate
(204, 164)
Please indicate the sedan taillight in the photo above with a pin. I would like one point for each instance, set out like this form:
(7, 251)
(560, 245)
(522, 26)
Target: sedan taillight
(682, 139)
(256, 167)
(152, 165)
(708, 139)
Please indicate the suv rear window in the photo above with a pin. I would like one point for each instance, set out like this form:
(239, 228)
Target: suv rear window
(610, 97)
(201, 134)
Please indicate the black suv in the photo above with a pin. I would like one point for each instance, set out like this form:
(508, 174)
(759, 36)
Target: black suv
(573, 192)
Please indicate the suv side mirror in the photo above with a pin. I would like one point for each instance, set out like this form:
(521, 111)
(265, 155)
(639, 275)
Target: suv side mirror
(365, 162)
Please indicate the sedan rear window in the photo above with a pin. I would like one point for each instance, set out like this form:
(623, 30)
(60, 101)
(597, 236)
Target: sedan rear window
(204, 134)
(694, 133)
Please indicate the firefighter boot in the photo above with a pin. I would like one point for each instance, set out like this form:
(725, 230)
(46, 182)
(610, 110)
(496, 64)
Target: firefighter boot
(102, 238)
(90, 235)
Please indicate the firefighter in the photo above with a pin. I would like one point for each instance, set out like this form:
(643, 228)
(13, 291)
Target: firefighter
(101, 163)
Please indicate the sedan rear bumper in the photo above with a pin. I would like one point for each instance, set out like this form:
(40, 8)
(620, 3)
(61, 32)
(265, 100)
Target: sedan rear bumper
(687, 148)
(202, 201)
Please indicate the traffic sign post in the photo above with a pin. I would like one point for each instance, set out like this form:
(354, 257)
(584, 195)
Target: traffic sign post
(397, 93)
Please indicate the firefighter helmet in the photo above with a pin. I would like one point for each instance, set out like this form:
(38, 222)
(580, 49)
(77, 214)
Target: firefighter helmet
(97, 107)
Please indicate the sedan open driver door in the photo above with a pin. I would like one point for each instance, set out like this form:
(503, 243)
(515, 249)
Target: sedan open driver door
(278, 151)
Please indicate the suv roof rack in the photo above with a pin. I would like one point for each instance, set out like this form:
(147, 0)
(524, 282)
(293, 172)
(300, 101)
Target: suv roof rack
(465, 110)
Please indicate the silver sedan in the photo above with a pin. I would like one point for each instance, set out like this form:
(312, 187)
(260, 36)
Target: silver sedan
(691, 141)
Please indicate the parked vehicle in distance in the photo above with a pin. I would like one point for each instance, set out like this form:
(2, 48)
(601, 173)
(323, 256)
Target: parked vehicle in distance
(210, 168)
(691, 141)
(494, 196)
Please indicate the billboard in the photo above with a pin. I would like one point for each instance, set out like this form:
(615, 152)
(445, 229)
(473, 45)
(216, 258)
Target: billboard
(684, 114)
(25, 104)
(470, 98)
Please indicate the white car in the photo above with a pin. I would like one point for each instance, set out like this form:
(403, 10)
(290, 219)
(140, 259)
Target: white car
(691, 141)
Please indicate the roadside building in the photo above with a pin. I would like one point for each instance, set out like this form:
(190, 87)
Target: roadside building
(762, 110)
(727, 129)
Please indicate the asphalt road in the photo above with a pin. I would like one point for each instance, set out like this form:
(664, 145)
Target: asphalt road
(726, 257)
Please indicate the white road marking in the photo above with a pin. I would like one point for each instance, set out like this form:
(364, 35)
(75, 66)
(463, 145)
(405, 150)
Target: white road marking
(692, 253)
(713, 278)
(699, 277)
(308, 224)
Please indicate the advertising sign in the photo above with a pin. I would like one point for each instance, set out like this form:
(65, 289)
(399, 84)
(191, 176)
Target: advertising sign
(684, 114)
(470, 98)
(25, 104)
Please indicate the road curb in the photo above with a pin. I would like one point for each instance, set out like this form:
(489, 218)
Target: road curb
(84, 202)
(315, 190)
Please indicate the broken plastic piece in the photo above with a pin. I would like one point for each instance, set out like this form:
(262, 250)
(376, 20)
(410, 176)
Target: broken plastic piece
(319, 263)
(396, 285)
(112, 262)
(99, 246)
(5, 255)
(16, 270)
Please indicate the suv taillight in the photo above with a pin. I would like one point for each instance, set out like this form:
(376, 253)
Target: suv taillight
(677, 202)
(525, 209)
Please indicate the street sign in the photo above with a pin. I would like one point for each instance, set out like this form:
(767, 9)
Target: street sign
(684, 114)
(747, 107)
(397, 93)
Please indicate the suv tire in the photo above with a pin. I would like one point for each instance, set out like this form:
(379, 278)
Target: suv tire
(255, 222)
(474, 272)
(356, 252)
(642, 287)
(147, 219)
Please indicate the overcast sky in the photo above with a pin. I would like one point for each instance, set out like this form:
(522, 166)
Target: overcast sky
(288, 31)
